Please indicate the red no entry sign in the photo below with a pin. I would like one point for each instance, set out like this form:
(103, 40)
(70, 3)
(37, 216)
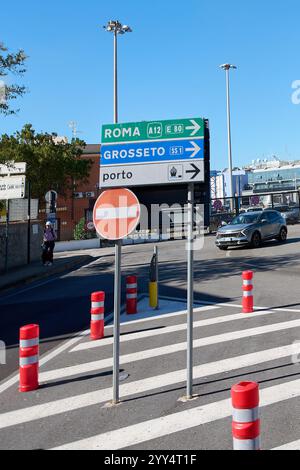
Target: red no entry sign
(116, 214)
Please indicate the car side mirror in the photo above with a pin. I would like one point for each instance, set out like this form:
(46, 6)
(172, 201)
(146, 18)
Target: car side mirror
(264, 221)
(223, 224)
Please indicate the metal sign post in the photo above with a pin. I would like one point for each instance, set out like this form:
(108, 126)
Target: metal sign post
(117, 304)
(116, 215)
(6, 235)
(157, 274)
(29, 224)
(190, 291)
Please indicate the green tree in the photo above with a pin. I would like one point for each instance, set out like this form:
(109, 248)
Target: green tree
(81, 232)
(10, 63)
(51, 162)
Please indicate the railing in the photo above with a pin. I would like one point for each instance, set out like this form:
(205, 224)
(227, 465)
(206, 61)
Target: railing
(225, 209)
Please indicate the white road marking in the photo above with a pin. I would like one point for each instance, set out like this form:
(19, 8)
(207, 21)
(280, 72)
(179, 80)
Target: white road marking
(165, 350)
(46, 358)
(129, 319)
(239, 306)
(171, 424)
(76, 402)
(170, 329)
(272, 309)
(290, 446)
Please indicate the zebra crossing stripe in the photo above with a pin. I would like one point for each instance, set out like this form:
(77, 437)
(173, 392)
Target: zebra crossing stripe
(76, 402)
(165, 350)
(176, 422)
(126, 320)
(167, 330)
(290, 446)
(46, 358)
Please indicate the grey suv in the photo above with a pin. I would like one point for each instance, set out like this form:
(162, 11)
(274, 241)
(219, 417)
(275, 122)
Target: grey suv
(251, 229)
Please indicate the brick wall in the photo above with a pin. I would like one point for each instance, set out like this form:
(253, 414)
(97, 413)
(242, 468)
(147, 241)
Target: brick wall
(71, 210)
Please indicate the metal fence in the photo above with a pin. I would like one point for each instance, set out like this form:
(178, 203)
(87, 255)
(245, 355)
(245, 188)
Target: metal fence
(17, 216)
(225, 209)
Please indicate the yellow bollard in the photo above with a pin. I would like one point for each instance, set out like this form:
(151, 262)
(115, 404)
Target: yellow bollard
(153, 294)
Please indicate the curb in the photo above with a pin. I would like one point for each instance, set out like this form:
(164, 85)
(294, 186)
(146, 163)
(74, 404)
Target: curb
(44, 275)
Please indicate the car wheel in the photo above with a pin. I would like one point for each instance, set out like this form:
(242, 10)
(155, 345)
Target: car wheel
(282, 235)
(223, 248)
(256, 240)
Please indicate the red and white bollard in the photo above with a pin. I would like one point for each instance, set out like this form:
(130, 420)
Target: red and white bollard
(97, 315)
(131, 295)
(248, 302)
(29, 358)
(246, 422)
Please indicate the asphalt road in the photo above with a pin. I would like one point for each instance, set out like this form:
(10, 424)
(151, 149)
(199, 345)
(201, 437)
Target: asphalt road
(61, 305)
(229, 347)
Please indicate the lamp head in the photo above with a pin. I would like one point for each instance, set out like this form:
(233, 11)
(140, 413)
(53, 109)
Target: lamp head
(114, 26)
(227, 66)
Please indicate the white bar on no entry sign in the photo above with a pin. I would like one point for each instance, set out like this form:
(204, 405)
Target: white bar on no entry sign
(110, 213)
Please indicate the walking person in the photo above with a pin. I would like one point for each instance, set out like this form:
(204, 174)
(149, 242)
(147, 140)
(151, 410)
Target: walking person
(48, 244)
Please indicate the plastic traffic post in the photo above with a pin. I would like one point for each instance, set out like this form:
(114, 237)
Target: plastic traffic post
(131, 295)
(248, 302)
(29, 358)
(97, 315)
(246, 422)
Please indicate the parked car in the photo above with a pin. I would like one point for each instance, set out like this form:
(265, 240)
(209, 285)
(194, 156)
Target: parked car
(254, 209)
(291, 214)
(252, 228)
(250, 209)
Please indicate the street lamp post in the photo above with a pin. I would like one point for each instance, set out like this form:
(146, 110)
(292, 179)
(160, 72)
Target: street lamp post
(227, 67)
(116, 28)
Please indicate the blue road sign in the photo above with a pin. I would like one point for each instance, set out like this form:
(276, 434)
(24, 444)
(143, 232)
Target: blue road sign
(152, 152)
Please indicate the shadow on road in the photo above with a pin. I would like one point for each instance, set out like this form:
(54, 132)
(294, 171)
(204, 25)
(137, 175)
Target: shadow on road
(77, 379)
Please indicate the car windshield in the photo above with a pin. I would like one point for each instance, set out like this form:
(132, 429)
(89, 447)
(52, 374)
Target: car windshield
(245, 219)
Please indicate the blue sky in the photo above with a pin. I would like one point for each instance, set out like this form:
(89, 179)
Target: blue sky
(168, 68)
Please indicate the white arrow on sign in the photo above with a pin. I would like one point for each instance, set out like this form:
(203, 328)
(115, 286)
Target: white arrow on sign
(195, 128)
(196, 149)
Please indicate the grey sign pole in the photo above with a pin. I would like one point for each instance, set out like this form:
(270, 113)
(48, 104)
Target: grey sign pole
(157, 274)
(116, 28)
(29, 224)
(118, 256)
(190, 291)
(6, 235)
(117, 303)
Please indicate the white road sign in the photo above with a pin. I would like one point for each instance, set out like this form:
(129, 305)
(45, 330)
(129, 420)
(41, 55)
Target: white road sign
(151, 153)
(161, 173)
(12, 187)
(13, 169)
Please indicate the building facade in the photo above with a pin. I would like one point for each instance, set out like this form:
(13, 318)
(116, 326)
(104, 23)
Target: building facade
(285, 177)
(220, 183)
(77, 205)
